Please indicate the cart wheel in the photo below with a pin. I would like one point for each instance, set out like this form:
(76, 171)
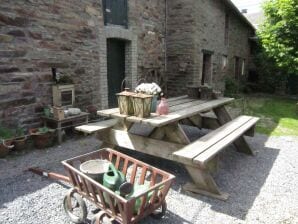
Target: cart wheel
(101, 218)
(75, 207)
(160, 212)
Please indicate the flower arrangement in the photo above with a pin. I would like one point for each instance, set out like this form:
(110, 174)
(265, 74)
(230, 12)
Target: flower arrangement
(148, 88)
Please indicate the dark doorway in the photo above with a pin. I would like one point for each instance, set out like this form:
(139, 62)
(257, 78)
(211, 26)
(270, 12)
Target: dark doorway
(116, 68)
(206, 71)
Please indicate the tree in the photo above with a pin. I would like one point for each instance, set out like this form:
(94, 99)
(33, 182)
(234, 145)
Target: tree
(279, 33)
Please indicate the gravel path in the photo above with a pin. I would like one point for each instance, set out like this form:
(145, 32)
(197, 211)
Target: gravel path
(263, 189)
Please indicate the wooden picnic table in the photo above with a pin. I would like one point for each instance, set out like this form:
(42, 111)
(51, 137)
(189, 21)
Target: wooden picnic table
(167, 139)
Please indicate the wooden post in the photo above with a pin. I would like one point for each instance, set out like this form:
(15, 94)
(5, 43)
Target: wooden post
(240, 143)
(203, 183)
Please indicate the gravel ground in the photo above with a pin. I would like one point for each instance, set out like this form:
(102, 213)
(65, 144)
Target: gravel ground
(263, 189)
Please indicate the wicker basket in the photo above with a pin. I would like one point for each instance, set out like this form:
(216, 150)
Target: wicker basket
(142, 105)
(125, 102)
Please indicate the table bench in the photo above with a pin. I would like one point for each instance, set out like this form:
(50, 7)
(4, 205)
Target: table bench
(167, 139)
(96, 126)
(203, 150)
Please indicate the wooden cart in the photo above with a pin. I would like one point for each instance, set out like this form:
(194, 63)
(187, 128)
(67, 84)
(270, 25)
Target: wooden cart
(112, 206)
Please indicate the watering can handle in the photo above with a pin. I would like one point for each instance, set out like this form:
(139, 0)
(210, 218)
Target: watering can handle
(113, 168)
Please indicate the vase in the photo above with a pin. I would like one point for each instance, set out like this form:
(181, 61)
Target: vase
(153, 104)
(163, 107)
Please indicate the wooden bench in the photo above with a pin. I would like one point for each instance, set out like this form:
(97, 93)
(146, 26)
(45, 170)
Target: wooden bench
(202, 151)
(98, 126)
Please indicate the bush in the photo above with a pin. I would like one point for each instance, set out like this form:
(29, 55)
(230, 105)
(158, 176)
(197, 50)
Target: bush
(231, 87)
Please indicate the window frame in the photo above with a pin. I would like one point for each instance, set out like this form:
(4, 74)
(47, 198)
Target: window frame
(106, 15)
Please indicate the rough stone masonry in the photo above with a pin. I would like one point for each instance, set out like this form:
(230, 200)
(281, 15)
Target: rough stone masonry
(166, 35)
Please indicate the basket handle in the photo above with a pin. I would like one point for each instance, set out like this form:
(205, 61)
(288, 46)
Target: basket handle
(141, 79)
(122, 84)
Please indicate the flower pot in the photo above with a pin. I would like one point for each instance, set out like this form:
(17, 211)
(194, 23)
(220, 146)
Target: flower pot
(20, 143)
(42, 140)
(5, 147)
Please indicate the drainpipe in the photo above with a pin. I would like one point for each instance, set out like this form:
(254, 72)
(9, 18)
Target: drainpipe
(165, 43)
(165, 38)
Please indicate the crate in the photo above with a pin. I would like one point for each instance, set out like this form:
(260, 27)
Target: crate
(112, 205)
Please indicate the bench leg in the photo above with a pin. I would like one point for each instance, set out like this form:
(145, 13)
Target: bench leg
(203, 183)
(240, 143)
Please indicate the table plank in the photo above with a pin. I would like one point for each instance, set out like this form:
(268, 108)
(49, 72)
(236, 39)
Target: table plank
(186, 105)
(108, 112)
(159, 121)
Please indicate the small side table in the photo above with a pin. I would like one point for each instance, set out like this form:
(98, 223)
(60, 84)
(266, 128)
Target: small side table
(75, 120)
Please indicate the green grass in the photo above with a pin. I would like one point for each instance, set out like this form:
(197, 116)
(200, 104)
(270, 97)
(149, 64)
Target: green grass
(278, 116)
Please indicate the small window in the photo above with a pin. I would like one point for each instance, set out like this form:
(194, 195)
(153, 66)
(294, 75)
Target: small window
(115, 12)
(227, 25)
(243, 67)
(224, 62)
(237, 68)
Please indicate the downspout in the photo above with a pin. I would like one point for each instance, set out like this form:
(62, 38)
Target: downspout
(165, 45)
(165, 39)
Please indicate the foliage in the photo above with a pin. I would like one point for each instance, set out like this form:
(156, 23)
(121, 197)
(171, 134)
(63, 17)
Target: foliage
(270, 75)
(19, 132)
(279, 33)
(64, 79)
(278, 116)
(231, 87)
(43, 130)
(5, 133)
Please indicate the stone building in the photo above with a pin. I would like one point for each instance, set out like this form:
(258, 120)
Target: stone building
(207, 40)
(99, 42)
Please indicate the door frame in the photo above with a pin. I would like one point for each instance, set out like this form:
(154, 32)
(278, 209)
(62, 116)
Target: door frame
(131, 67)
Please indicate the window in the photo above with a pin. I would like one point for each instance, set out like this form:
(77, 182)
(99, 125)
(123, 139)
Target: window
(115, 12)
(243, 67)
(237, 68)
(224, 62)
(227, 21)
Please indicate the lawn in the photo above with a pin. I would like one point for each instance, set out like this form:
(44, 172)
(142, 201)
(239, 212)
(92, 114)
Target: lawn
(278, 116)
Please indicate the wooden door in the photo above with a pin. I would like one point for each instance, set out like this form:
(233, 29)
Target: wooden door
(116, 68)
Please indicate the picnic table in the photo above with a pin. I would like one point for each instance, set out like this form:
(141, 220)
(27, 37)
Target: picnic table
(167, 139)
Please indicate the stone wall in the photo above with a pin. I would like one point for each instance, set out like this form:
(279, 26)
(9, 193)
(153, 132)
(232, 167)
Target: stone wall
(37, 35)
(198, 25)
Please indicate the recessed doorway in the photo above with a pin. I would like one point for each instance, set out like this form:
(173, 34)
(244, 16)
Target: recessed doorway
(115, 68)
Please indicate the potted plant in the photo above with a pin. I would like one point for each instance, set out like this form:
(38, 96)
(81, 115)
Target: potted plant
(151, 89)
(20, 141)
(43, 137)
(6, 139)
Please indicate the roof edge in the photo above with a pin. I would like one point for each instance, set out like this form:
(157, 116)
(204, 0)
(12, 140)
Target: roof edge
(237, 11)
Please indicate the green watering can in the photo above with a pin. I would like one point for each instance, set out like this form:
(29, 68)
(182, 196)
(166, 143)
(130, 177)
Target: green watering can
(113, 178)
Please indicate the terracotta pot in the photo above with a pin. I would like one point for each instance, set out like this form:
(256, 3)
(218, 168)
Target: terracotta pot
(5, 148)
(42, 140)
(20, 143)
